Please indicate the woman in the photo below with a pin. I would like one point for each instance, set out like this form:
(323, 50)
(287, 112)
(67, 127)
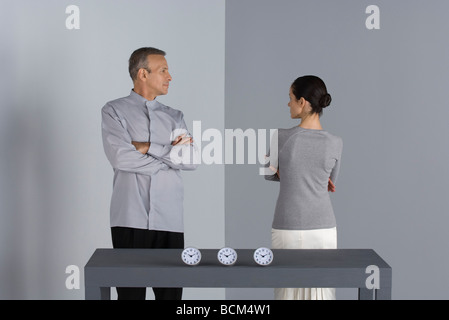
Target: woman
(308, 165)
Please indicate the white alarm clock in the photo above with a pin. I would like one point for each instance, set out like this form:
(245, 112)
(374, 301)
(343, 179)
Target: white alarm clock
(191, 256)
(227, 256)
(263, 256)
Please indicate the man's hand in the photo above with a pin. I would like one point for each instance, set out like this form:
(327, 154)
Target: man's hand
(182, 139)
(142, 147)
(331, 186)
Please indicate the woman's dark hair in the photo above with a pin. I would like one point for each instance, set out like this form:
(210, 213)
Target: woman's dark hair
(139, 60)
(312, 89)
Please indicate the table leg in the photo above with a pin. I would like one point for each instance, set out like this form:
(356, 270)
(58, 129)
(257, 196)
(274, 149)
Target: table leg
(366, 294)
(97, 293)
(384, 293)
(375, 294)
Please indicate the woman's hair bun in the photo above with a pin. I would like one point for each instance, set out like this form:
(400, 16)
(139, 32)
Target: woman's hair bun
(325, 100)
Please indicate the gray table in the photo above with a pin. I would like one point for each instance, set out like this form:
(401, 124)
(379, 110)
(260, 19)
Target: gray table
(333, 268)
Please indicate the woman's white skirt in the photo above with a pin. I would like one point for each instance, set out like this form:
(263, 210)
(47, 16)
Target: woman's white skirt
(304, 239)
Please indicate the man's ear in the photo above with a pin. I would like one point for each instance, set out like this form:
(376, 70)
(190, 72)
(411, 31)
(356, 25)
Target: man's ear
(142, 74)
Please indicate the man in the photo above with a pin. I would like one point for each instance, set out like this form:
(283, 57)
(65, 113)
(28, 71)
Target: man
(140, 143)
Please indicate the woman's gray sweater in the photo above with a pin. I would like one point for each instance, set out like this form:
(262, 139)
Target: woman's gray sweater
(307, 159)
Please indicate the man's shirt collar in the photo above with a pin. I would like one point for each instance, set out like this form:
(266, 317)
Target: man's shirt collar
(138, 98)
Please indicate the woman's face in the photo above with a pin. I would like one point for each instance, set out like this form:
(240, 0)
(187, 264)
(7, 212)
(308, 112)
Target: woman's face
(296, 108)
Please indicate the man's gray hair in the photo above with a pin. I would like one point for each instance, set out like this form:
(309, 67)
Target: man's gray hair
(139, 60)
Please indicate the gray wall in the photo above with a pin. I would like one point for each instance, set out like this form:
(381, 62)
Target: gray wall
(389, 106)
(56, 182)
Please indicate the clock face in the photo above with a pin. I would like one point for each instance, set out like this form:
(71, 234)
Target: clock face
(263, 256)
(191, 256)
(227, 256)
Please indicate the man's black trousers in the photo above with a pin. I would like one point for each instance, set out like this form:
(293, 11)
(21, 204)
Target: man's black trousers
(123, 237)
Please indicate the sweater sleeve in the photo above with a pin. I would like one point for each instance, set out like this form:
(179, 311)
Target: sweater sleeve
(271, 168)
(336, 170)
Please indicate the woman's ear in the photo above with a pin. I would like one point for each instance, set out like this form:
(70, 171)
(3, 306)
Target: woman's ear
(305, 105)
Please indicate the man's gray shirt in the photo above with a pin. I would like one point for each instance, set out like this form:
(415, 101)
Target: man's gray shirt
(148, 189)
(307, 158)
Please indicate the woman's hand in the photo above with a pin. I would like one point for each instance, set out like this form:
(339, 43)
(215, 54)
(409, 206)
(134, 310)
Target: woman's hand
(330, 186)
(143, 147)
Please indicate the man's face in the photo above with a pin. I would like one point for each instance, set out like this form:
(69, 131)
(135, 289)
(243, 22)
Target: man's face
(159, 78)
